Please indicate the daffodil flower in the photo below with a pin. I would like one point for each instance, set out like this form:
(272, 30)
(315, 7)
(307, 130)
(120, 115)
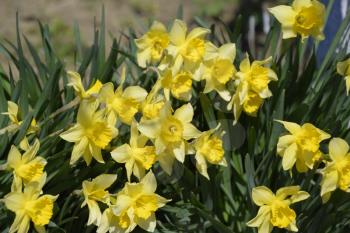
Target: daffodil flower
(304, 17)
(179, 85)
(13, 112)
(122, 104)
(274, 209)
(90, 134)
(217, 69)
(301, 146)
(209, 149)
(337, 171)
(30, 206)
(152, 45)
(75, 82)
(27, 167)
(252, 88)
(136, 155)
(135, 205)
(153, 103)
(95, 191)
(343, 68)
(186, 49)
(170, 132)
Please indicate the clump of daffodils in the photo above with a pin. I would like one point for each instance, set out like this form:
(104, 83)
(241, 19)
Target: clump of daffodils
(26, 198)
(134, 205)
(143, 131)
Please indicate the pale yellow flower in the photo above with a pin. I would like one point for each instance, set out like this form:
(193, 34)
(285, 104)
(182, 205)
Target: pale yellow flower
(90, 134)
(301, 146)
(179, 85)
(209, 149)
(187, 49)
(170, 132)
(304, 17)
(153, 103)
(217, 69)
(30, 206)
(75, 82)
(252, 88)
(136, 205)
(343, 68)
(274, 209)
(122, 104)
(95, 191)
(13, 114)
(336, 173)
(137, 156)
(27, 167)
(152, 45)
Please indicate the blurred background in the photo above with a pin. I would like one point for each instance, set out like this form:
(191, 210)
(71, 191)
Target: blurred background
(121, 15)
(61, 15)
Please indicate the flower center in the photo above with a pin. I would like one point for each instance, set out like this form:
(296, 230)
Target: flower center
(281, 214)
(194, 50)
(172, 130)
(222, 71)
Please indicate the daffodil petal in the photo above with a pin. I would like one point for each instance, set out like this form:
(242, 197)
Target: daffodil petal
(262, 195)
(338, 148)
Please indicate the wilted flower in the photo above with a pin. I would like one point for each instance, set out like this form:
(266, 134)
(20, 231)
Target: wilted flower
(274, 209)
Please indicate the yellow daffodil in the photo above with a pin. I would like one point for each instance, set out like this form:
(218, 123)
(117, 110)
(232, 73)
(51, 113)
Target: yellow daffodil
(209, 148)
(95, 191)
(136, 204)
(301, 146)
(122, 104)
(152, 45)
(343, 68)
(171, 131)
(336, 172)
(153, 103)
(90, 134)
(217, 69)
(27, 167)
(75, 82)
(304, 17)
(30, 206)
(13, 112)
(274, 209)
(136, 155)
(186, 49)
(252, 88)
(179, 85)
